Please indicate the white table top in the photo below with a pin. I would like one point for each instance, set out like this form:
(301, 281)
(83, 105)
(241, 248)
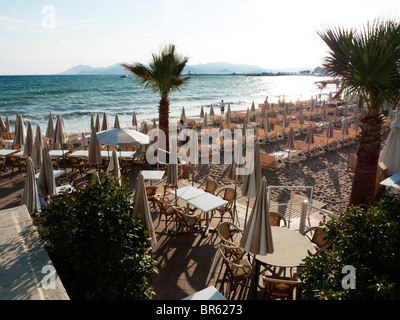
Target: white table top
(152, 174)
(290, 248)
(210, 293)
(56, 174)
(207, 202)
(57, 153)
(187, 192)
(104, 153)
(393, 181)
(6, 152)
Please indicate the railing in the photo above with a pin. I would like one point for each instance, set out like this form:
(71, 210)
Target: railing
(305, 207)
(291, 201)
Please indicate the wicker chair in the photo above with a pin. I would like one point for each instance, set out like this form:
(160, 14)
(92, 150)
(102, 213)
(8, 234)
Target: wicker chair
(238, 269)
(276, 218)
(190, 222)
(151, 192)
(317, 237)
(277, 288)
(209, 186)
(166, 209)
(227, 231)
(16, 163)
(229, 195)
(77, 163)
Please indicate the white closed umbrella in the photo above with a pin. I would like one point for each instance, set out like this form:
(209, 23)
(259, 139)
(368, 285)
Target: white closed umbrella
(329, 131)
(30, 196)
(183, 114)
(114, 167)
(252, 180)
(8, 126)
(97, 124)
(94, 157)
(37, 149)
(310, 137)
(84, 142)
(134, 120)
(46, 182)
(205, 121)
(141, 208)
(50, 127)
(116, 122)
(105, 125)
(3, 128)
(257, 235)
(19, 131)
(211, 110)
(390, 155)
(194, 151)
(28, 146)
(290, 141)
(236, 168)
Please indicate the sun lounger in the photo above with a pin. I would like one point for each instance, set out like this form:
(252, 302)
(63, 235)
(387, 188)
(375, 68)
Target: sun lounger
(271, 162)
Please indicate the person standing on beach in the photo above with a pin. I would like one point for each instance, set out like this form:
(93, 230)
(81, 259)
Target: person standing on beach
(222, 107)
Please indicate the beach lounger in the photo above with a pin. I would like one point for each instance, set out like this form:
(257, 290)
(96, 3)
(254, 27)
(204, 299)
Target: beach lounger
(296, 157)
(271, 162)
(333, 144)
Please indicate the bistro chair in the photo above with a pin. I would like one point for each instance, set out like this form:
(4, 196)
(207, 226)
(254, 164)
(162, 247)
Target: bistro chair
(189, 222)
(238, 270)
(209, 186)
(228, 233)
(151, 192)
(317, 236)
(166, 209)
(280, 288)
(276, 219)
(76, 163)
(16, 163)
(229, 195)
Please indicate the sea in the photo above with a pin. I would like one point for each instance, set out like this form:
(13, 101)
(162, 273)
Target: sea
(77, 97)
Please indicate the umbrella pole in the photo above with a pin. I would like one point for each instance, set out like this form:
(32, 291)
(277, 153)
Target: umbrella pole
(247, 210)
(234, 207)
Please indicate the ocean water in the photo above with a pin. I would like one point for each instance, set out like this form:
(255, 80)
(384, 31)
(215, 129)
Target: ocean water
(76, 98)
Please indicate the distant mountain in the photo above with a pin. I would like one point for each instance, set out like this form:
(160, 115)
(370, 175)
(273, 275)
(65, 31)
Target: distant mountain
(208, 68)
(84, 70)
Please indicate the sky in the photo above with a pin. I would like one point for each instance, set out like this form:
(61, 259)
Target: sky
(48, 37)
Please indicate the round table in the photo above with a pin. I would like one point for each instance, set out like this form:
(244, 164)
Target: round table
(290, 249)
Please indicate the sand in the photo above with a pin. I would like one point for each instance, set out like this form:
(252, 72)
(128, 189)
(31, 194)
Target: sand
(327, 173)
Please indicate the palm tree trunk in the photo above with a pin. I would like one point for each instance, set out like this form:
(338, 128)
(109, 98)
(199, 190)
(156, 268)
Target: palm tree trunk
(364, 181)
(163, 114)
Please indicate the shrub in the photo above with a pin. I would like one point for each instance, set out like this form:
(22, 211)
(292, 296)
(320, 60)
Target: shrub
(98, 248)
(367, 239)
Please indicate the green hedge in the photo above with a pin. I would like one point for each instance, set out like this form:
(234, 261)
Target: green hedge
(367, 239)
(99, 249)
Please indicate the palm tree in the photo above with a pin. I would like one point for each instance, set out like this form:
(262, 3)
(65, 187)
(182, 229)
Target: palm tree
(367, 64)
(163, 75)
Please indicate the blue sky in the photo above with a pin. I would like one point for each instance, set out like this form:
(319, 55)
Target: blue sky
(271, 34)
